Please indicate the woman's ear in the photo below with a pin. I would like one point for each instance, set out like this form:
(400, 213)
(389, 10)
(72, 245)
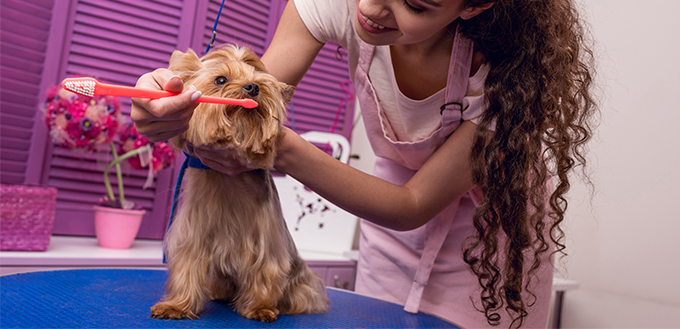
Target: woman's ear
(471, 12)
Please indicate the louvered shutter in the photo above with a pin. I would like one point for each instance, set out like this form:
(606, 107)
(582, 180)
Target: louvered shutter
(24, 32)
(243, 22)
(115, 42)
(323, 99)
(319, 100)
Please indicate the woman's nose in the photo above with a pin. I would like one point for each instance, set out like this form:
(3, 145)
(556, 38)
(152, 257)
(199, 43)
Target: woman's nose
(374, 8)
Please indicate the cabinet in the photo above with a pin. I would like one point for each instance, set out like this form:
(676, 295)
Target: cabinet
(337, 274)
(83, 252)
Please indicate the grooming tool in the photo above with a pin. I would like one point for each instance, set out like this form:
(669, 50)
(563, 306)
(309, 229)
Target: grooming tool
(90, 87)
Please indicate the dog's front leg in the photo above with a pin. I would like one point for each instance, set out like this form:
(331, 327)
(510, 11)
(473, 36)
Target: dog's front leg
(185, 290)
(261, 293)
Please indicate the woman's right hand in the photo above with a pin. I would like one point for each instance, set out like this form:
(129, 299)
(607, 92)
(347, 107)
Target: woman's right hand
(163, 118)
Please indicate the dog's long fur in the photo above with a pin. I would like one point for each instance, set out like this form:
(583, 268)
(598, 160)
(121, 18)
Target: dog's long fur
(229, 239)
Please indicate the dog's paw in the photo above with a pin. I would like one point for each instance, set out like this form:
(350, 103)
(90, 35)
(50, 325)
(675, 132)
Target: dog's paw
(167, 311)
(263, 314)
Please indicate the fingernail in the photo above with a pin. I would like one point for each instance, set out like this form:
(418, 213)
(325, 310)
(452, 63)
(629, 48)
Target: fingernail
(195, 96)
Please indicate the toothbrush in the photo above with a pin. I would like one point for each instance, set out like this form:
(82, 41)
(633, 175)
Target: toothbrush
(90, 87)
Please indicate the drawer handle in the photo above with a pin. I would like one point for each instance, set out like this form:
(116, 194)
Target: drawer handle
(340, 285)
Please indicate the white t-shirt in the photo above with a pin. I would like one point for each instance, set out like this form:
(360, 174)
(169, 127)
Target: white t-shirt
(411, 119)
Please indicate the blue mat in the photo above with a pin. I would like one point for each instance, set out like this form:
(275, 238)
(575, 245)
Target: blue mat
(112, 298)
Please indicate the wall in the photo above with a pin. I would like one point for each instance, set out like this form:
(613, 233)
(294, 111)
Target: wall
(623, 243)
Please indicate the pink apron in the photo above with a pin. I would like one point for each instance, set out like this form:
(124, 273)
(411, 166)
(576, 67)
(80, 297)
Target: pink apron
(422, 268)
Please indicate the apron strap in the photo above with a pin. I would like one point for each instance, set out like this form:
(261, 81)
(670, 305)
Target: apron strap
(437, 230)
(459, 74)
(365, 56)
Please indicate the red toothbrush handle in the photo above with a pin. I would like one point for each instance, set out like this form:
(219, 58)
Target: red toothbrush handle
(245, 102)
(123, 91)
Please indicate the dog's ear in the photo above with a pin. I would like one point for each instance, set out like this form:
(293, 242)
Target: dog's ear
(251, 58)
(287, 92)
(184, 62)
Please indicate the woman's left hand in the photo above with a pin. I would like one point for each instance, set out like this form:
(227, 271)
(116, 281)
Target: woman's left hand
(222, 160)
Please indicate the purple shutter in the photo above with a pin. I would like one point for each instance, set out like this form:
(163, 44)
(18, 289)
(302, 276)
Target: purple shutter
(246, 23)
(319, 102)
(24, 33)
(115, 42)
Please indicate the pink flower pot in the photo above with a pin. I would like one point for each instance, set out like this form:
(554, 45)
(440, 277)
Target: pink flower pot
(116, 228)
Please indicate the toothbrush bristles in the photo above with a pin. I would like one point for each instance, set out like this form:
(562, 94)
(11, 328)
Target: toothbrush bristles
(82, 87)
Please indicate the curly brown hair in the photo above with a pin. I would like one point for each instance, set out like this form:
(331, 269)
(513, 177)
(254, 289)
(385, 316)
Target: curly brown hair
(540, 99)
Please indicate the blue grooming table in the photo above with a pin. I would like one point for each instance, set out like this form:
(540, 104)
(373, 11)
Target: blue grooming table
(117, 298)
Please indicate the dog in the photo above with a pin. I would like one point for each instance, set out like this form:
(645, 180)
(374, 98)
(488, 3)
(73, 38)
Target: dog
(229, 239)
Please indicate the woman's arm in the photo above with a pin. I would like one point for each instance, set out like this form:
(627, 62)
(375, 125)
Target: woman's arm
(293, 48)
(442, 179)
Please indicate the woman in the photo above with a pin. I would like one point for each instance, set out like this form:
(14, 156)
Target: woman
(470, 106)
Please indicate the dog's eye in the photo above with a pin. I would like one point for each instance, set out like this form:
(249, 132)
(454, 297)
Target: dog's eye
(221, 80)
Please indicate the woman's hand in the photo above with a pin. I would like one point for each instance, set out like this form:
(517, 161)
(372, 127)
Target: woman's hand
(223, 160)
(226, 160)
(163, 118)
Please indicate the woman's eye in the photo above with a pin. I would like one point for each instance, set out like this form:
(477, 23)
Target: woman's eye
(221, 80)
(412, 8)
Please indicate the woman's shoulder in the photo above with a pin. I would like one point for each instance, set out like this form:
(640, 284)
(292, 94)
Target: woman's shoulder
(329, 20)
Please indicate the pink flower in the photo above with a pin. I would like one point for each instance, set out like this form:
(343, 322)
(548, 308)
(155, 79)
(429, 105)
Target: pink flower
(76, 121)
(162, 154)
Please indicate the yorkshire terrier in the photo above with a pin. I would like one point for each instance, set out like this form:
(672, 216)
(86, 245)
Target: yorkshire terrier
(229, 239)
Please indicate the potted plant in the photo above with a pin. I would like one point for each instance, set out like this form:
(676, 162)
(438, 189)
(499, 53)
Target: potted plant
(87, 124)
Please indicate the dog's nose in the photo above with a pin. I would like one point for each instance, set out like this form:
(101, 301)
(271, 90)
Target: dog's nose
(252, 89)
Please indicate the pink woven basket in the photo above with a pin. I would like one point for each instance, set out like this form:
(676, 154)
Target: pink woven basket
(26, 217)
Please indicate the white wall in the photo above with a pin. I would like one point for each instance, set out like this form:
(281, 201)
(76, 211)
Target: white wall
(624, 244)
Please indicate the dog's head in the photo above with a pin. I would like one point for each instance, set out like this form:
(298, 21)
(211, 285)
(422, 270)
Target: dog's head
(233, 72)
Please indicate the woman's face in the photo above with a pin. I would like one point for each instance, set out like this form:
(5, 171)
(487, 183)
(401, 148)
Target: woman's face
(389, 22)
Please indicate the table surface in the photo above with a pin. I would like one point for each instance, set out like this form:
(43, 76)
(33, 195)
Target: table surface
(118, 298)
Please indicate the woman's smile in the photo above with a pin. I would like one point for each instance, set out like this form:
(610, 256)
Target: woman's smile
(371, 26)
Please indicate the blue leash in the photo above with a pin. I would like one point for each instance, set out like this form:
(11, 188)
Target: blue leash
(188, 162)
(214, 31)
